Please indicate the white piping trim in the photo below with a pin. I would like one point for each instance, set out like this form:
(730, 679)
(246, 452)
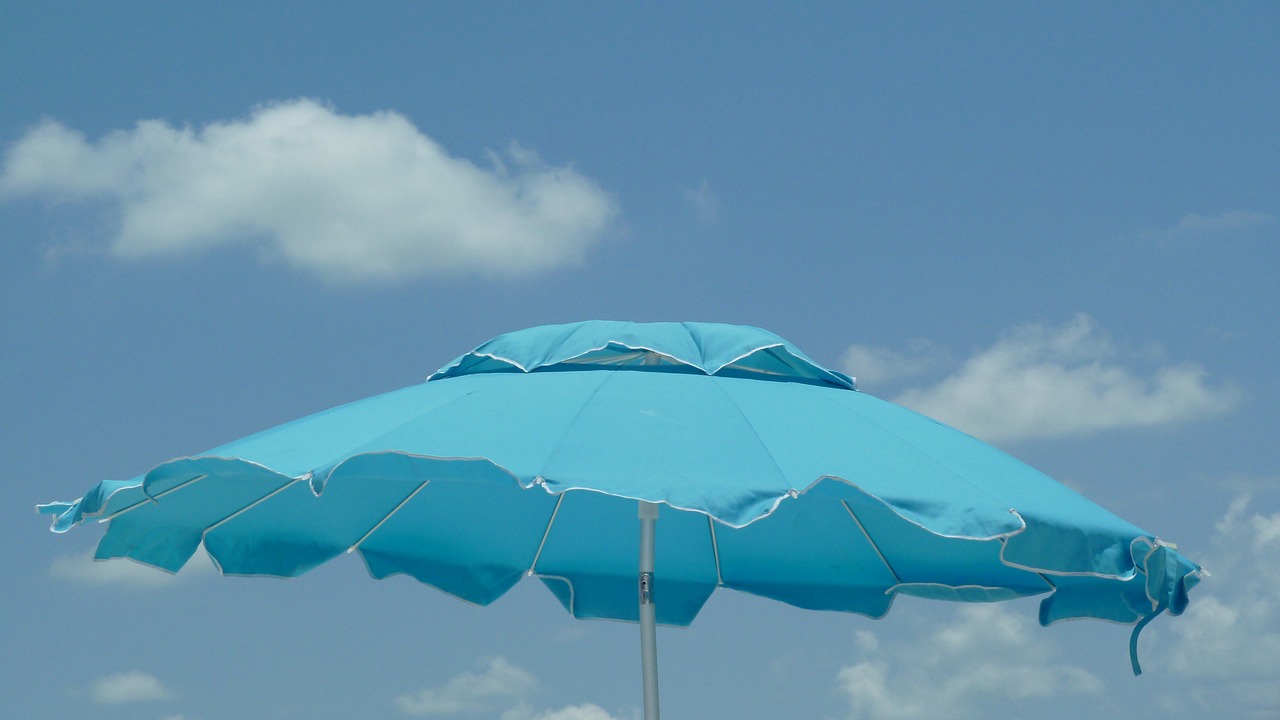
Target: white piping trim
(409, 575)
(387, 517)
(151, 498)
(892, 509)
(645, 355)
(1153, 544)
(142, 485)
(998, 536)
(874, 546)
(477, 354)
(753, 351)
(568, 583)
(1094, 618)
(146, 564)
(824, 374)
(577, 359)
(995, 588)
(1004, 545)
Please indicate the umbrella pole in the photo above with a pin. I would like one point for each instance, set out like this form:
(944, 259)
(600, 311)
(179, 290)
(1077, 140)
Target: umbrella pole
(648, 613)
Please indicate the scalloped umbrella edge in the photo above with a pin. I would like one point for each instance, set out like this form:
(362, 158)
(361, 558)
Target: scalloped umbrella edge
(527, 456)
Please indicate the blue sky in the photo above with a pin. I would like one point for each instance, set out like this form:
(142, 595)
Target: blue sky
(1053, 227)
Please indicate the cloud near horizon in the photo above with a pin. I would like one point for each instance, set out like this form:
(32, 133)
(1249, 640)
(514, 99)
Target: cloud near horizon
(500, 682)
(587, 711)
(1228, 640)
(706, 207)
(982, 662)
(350, 198)
(128, 687)
(1221, 657)
(1042, 381)
(499, 687)
(872, 365)
(85, 570)
(1194, 226)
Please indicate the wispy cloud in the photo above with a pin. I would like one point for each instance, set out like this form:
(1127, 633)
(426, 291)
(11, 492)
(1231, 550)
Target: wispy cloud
(500, 683)
(1041, 381)
(346, 197)
(983, 662)
(128, 687)
(873, 365)
(499, 687)
(702, 199)
(1198, 227)
(84, 570)
(1229, 638)
(571, 712)
(1221, 658)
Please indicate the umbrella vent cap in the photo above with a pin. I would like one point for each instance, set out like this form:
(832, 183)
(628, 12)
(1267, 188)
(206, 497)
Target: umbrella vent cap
(704, 348)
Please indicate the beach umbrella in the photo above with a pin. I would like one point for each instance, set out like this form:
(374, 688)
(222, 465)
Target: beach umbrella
(635, 468)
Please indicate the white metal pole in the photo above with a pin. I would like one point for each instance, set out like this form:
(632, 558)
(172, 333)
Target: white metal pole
(648, 612)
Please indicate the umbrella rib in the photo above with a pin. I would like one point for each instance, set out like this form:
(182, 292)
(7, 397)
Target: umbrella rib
(715, 549)
(256, 503)
(874, 546)
(153, 498)
(387, 517)
(545, 533)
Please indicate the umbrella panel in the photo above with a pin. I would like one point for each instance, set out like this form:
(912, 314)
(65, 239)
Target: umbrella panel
(590, 559)
(809, 553)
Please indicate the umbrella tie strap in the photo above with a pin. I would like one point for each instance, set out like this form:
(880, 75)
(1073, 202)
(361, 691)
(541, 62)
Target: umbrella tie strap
(1133, 639)
(1168, 576)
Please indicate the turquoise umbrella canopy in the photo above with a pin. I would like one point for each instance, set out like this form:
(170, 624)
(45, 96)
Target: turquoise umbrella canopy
(527, 456)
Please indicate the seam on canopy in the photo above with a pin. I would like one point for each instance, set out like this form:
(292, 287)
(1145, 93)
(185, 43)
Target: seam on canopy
(373, 444)
(569, 426)
(719, 385)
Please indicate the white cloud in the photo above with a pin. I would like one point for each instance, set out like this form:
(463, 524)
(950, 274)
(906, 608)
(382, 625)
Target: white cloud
(1229, 638)
(500, 683)
(128, 687)
(1041, 381)
(1193, 226)
(982, 664)
(350, 198)
(85, 570)
(571, 712)
(704, 203)
(873, 365)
